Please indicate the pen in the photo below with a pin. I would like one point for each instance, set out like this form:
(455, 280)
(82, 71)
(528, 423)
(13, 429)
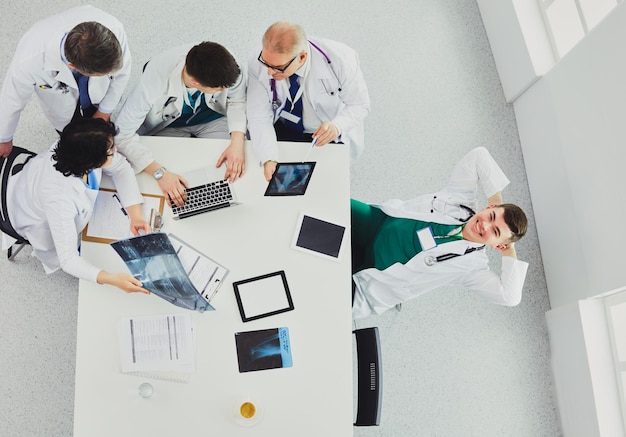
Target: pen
(121, 206)
(313, 143)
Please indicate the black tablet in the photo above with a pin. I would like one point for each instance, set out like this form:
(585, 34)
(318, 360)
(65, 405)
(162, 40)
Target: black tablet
(318, 237)
(290, 179)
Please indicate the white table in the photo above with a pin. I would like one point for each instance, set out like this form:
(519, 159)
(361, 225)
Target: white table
(313, 398)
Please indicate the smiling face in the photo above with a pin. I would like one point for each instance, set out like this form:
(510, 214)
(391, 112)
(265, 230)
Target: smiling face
(488, 227)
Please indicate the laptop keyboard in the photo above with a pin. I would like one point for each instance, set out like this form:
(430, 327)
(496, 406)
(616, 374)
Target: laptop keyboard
(203, 198)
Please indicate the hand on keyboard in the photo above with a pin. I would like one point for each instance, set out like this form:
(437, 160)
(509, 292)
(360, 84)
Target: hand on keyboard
(173, 187)
(204, 197)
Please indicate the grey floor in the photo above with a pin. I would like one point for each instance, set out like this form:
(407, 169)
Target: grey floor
(454, 365)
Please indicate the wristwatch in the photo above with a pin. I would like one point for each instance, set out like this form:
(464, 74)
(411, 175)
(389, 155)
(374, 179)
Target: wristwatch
(159, 173)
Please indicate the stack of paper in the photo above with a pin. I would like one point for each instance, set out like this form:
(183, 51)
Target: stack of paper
(160, 347)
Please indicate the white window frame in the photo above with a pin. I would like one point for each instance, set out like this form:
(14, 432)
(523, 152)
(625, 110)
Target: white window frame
(620, 366)
(543, 7)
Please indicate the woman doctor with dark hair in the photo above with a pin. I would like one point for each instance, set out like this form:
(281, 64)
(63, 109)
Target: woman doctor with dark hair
(51, 200)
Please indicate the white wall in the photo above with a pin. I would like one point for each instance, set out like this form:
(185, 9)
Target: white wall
(573, 132)
(573, 380)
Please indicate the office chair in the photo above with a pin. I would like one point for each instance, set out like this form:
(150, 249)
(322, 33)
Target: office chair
(369, 385)
(10, 166)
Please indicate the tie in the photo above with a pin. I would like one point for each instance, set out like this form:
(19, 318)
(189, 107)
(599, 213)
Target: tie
(293, 90)
(83, 94)
(192, 99)
(285, 129)
(189, 108)
(83, 90)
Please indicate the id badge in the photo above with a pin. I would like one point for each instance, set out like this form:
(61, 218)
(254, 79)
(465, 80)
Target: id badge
(427, 239)
(289, 117)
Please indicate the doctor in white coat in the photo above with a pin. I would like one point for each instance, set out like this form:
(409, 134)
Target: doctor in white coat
(52, 198)
(334, 96)
(462, 262)
(160, 105)
(40, 65)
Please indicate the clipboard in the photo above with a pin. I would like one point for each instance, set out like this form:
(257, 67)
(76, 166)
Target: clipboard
(109, 223)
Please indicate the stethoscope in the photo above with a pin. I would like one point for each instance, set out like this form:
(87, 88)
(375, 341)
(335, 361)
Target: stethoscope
(166, 116)
(64, 88)
(431, 260)
(276, 103)
(470, 211)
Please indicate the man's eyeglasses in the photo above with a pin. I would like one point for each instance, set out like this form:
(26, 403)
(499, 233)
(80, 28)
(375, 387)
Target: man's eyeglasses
(279, 69)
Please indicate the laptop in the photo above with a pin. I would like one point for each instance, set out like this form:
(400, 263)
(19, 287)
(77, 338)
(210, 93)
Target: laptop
(208, 191)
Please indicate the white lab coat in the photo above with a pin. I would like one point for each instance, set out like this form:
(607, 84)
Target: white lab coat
(51, 210)
(377, 291)
(340, 97)
(157, 100)
(37, 65)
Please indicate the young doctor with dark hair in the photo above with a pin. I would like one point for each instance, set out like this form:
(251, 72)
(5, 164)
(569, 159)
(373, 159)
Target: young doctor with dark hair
(192, 90)
(404, 248)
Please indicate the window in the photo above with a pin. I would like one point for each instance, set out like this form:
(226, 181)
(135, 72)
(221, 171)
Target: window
(568, 21)
(615, 306)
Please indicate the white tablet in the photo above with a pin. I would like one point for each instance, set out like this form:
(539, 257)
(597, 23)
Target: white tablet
(263, 296)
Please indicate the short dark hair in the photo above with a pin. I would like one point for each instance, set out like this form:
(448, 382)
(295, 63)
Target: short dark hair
(516, 220)
(83, 146)
(93, 49)
(212, 65)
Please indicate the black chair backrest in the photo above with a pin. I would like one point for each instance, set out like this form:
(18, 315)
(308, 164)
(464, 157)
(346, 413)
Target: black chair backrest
(9, 166)
(369, 385)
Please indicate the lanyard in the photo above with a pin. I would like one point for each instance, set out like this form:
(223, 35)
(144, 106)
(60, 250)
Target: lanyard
(297, 96)
(457, 235)
(275, 100)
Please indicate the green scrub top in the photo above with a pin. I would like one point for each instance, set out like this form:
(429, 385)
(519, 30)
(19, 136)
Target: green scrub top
(397, 241)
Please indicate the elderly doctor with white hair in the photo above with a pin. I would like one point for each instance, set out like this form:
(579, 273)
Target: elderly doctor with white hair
(303, 89)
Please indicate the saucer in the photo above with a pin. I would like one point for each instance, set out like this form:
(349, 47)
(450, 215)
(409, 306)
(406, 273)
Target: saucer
(245, 421)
